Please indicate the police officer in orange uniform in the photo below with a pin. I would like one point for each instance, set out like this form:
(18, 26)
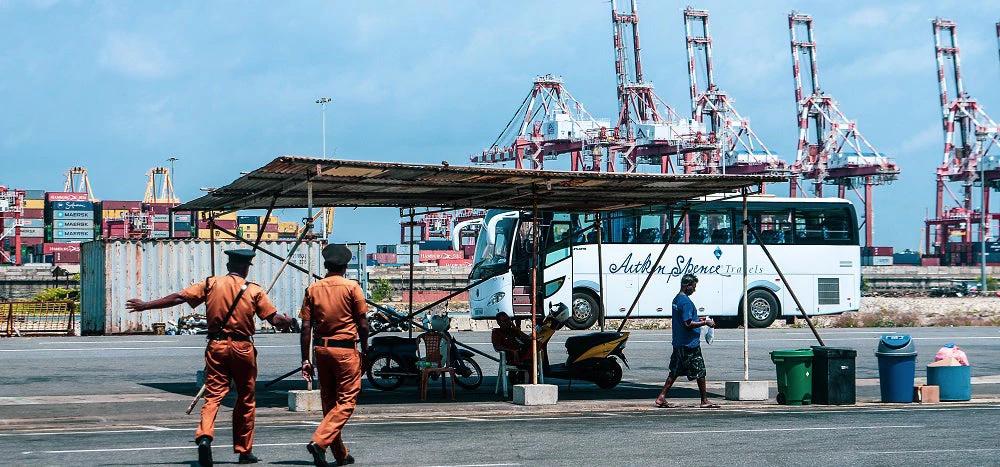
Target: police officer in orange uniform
(231, 302)
(333, 316)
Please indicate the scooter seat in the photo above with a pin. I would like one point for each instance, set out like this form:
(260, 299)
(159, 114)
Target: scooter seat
(577, 345)
(394, 344)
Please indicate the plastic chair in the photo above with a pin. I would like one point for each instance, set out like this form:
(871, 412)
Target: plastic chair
(432, 344)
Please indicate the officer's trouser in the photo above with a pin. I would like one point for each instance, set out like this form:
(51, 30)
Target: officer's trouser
(225, 359)
(339, 371)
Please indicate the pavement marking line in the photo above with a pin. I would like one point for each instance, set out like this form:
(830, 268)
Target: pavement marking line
(160, 448)
(929, 451)
(472, 465)
(91, 349)
(145, 429)
(765, 430)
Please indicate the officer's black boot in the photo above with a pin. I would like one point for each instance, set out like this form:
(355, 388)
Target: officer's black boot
(319, 455)
(204, 451)
(347, 460)
(248, 458)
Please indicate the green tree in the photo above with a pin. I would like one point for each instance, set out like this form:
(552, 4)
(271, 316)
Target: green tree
(382, 291)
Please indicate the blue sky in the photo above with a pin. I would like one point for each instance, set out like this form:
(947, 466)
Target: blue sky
(225, 86)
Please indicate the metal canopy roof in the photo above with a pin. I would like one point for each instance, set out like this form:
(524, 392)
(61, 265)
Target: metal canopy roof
(384, 184)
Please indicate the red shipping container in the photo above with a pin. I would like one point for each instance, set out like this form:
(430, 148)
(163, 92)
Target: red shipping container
(31, 241)
(385, 258)
(449, 262)
(930, 261)
(229, 225)
(182, 234)
(469, 250)
(59, 196)
(159, 208)
(121, 205)
(33, 214)
(427, 256)
(52, 248)
(66, 257)
(161, 226)
(271, 227)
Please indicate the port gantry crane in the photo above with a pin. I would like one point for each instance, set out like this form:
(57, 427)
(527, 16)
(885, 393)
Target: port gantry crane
(831, 149)
(648, 131)
(11, 210)
(738, 149)
(548, 123)
(971, 141)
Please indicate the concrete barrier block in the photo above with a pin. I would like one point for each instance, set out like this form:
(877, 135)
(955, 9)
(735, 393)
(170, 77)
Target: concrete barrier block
(536, 394)
(304, 401)
(747, 391)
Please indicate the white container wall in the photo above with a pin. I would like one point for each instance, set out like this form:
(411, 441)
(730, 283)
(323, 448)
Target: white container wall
(113, 271)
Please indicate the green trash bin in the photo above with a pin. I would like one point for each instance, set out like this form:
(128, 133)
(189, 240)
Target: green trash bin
(794, 368)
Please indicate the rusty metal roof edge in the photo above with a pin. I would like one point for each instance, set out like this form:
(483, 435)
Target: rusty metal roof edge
(294, 170)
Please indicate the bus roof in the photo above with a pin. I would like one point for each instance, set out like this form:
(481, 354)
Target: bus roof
(283, 183)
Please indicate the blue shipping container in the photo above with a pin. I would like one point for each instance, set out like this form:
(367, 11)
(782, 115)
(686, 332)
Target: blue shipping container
(74, 224)
(71, 206)
(248, 220)
(73, 215)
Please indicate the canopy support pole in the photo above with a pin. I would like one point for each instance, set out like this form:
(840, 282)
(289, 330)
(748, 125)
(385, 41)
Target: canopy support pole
(747, 226)
(600, 269)
(746, 333)
(534, 287)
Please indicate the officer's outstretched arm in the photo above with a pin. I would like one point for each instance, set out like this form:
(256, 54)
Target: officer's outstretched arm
(133, 305)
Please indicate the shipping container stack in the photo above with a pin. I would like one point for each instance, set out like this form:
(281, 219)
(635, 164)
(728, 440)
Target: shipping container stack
(160, 216)
(226, 221)
(33, 226)
(115, 218)
(876, 256)
(288, 230)
(183, 226)
(69, 219)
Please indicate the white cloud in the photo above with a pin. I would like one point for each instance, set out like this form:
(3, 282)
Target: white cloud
(924, 141)
(875, 17)
(134, 56)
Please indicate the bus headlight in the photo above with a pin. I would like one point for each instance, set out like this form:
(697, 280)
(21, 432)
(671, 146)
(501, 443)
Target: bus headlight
(496, 298)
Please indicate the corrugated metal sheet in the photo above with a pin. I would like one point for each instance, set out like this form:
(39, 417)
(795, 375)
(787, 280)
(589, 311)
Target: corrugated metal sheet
(114, 271)
(283, 184)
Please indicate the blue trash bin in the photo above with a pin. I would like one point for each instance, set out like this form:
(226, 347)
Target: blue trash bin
(954, 382)
(897, 360)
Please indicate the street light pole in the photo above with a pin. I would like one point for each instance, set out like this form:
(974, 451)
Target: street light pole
(322, 104)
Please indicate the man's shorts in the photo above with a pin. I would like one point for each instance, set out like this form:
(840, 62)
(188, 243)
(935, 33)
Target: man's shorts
(687, 361)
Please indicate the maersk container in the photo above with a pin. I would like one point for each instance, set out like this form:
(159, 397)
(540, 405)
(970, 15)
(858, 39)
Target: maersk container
(114, 271)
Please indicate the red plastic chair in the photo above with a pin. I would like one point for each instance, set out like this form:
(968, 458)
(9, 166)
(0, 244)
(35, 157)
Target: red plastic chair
(429, 345)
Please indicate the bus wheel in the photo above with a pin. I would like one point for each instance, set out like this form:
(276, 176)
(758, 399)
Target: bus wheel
(763, 308)
(584, 310)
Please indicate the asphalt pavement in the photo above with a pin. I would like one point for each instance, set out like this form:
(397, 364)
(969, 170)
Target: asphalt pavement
(120, 401)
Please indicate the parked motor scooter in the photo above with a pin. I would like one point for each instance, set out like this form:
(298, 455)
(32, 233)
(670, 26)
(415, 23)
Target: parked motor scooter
(392, 359)
(387, 319)
(592, 357)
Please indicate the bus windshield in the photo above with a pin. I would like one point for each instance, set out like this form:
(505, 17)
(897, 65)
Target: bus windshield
(493, 244)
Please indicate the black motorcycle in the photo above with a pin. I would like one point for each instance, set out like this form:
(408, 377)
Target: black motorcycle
(392, 359)
(387, 319)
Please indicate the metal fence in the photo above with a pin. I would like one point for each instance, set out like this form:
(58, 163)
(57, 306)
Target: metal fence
(22, 318)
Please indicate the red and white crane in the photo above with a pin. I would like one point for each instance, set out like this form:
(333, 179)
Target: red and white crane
(831, 149)
(738, 149)
(648, 131)
(548, 123)
(971, 146)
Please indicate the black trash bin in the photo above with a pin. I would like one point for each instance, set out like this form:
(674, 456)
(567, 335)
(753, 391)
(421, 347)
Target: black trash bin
(833, 376)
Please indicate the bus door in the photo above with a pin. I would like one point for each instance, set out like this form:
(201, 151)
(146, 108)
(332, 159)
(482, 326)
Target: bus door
(556, 286)
(493, 256)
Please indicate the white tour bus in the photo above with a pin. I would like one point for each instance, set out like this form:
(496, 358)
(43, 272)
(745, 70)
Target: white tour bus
(814, 241)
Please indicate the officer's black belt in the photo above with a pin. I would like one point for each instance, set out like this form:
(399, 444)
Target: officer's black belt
(221, 336)
(343, 344)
